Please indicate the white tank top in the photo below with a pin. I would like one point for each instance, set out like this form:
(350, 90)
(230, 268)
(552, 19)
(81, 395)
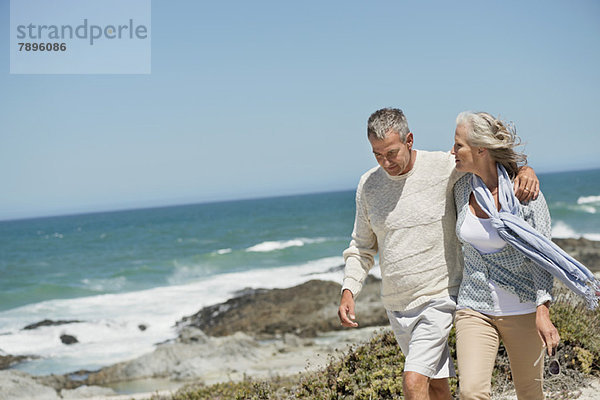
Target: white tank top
(479, 233)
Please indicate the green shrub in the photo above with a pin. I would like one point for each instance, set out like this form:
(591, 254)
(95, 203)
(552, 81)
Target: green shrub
(579, 328)
(247, 389)
(368, 371)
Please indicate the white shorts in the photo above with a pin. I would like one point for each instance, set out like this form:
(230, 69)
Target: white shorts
(422, 333)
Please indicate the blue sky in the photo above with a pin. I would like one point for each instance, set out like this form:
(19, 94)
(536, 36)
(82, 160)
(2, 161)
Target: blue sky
(261, 98)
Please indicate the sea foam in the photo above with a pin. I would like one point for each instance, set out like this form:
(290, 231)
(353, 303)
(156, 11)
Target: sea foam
(283, 244)
(117, 327)
(588, 204)
(561, 230)
(588, 200)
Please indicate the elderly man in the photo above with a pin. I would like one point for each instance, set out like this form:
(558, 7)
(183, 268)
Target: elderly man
(405, 211)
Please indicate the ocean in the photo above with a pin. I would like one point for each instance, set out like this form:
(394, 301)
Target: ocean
(128, 276)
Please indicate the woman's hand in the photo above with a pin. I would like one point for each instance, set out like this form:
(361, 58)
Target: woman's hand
(547, 331)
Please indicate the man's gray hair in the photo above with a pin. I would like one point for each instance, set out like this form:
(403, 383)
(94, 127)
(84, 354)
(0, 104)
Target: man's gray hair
(499, 138)
(385, 121)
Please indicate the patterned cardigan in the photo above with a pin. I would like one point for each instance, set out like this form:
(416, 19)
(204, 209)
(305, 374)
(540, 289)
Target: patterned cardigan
(508, 268)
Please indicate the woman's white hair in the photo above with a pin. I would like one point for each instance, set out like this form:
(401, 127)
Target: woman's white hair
(499, 138)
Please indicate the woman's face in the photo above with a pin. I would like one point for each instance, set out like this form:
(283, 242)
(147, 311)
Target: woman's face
(464, 154)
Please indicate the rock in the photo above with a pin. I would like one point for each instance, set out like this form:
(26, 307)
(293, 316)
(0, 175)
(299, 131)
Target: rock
(181, 361)
(303, 310)
(191, 335)
(248, 291)
(85, 391)
(68, 339)
(287, 317)
(583, 250)
(57, 382)
(289, 339)
(48, 322)
(142, 327)
(6, 360)
(17, 385)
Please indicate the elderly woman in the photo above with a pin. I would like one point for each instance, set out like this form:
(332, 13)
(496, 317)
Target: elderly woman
(509, 263)
(504, 295)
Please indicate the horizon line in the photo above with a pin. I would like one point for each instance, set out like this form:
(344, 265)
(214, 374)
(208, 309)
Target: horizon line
(124, 208)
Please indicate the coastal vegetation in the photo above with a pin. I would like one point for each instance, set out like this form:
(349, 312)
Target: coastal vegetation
(373, 370)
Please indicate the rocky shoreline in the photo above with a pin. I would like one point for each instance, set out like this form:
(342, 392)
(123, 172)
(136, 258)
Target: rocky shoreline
(258, 333)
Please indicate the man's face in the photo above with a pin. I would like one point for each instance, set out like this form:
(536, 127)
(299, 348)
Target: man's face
(393, 155)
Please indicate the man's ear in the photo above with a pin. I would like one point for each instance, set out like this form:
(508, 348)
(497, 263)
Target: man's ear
(409, 140)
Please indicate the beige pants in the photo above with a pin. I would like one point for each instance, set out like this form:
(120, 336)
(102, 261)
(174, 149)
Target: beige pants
(477, 340)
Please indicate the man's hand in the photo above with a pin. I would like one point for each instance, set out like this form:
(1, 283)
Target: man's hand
(527, 185)
(547, 331)
(346, 310)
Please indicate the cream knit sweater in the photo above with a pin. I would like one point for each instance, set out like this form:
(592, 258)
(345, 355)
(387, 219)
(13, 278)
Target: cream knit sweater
(410, 220)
